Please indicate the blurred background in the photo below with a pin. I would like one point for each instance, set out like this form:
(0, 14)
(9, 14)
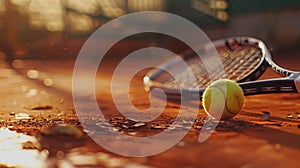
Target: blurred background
(56, 29)
(40, 40)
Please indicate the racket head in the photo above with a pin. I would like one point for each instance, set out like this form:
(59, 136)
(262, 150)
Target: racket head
(243, 59)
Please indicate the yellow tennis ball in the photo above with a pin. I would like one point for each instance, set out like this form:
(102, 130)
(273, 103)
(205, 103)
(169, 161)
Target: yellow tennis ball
(223, 99)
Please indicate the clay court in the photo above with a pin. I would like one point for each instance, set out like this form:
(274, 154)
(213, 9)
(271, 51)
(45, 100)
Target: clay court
(39, 126)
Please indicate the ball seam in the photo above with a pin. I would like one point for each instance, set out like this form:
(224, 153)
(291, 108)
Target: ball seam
(225, 100)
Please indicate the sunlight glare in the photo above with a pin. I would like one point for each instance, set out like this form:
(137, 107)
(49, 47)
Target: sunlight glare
(13, 154)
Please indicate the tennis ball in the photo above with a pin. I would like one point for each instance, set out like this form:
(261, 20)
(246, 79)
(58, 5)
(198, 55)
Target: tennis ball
(223, 99)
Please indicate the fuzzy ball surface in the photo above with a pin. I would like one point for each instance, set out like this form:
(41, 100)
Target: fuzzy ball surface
(223, 99)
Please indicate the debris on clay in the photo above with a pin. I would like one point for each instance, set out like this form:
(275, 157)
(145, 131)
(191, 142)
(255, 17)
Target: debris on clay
(40, 107)
(22, 116)
(61, 138)
(265, 115)
(62, 130)
(290, 116)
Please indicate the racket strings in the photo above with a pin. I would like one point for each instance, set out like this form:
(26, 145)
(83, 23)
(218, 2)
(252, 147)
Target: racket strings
(230, 65)
(237, 64)
(234, 68)
(246, 69)
(241, 67)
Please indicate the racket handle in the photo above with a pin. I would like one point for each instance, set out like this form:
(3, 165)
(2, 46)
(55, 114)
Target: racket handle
(281, 85)
(297, 83)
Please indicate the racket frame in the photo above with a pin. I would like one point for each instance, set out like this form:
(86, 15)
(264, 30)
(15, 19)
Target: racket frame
(289, 84)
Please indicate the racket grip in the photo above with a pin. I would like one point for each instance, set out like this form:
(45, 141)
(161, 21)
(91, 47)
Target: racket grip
(297, 83)
(280, 85)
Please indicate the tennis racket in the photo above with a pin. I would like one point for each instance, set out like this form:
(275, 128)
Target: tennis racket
(244, 60)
